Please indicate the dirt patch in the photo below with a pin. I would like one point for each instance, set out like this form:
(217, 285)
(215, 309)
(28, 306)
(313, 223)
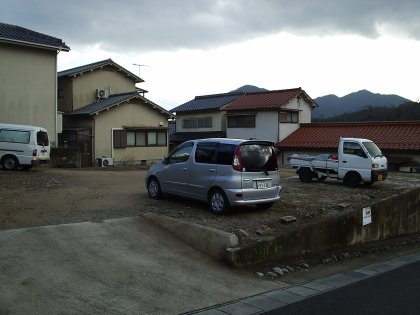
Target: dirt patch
(47, 196)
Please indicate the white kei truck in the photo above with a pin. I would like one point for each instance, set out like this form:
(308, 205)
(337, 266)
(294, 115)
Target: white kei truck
(358, 160)
(23, 146)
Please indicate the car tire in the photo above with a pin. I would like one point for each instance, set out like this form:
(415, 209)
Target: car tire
(218, 202)
(352, 180)
(10, 163)
(264, 206)
(153, 188)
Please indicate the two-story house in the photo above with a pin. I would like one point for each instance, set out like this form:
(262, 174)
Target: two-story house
(28, 78)
(270, 115)
(261, 114)
(105, 115)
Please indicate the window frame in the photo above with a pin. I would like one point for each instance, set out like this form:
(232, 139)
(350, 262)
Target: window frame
(234, 121)
(197, 122)
(289, 117)
(121, 138)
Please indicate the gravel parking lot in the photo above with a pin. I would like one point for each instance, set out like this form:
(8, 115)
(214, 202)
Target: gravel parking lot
(49, 196)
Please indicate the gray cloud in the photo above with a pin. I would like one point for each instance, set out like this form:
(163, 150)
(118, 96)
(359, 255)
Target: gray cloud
(141, 25)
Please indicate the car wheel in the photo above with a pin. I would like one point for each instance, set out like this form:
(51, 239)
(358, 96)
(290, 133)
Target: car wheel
(264, 206)
(10, 163)
(153, 188)
(352, 180)
(218, 202)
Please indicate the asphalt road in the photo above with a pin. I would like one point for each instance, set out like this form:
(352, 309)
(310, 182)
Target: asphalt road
(393, 292)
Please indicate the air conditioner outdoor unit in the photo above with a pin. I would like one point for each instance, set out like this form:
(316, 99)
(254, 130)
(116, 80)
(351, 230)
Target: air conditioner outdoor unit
(101, 93)
(107, 161)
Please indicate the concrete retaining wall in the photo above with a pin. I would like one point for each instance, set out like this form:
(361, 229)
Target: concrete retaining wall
(396, 216)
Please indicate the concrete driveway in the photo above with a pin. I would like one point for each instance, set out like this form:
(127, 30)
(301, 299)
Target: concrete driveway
(122, 266)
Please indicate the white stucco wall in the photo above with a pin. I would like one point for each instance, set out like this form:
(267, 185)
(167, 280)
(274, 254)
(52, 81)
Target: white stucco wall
(266, 128)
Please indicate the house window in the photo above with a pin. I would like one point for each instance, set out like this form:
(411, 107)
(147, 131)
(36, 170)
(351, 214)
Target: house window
(197, 122)
(289, 117)
(140, 138)
(241, 121)
(60, 93)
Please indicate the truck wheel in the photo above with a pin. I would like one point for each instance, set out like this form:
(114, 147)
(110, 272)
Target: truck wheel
(352, 180)
(305, 175)
(10, 163)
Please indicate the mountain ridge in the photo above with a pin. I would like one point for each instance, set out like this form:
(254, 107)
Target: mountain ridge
(331, 105)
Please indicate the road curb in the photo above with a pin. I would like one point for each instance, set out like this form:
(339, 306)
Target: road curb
(208, 240)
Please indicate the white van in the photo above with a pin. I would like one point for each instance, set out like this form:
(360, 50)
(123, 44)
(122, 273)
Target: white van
(23, 146)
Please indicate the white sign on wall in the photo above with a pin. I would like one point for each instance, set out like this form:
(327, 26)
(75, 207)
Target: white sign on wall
(366, 216)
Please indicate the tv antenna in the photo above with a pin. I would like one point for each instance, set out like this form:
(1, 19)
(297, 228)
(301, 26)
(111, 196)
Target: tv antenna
(138, 65)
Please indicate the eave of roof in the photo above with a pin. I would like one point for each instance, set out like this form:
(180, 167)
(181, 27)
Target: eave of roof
(270, 100)
(73, 72)
(207, 102)
(112, 101)
(401, 135)
(13, 34)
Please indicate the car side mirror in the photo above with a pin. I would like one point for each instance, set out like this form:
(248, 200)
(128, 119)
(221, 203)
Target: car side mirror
(165, 160)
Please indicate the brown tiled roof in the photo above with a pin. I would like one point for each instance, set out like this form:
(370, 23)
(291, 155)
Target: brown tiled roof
(387, 135)
(270, 100)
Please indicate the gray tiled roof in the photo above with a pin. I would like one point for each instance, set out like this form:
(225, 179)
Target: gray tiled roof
(111, 101)
(17, 34)
(98, 65)
(207, 102)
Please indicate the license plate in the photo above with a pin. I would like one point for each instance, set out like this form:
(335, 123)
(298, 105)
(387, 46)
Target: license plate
(261, 184)
(380, 177)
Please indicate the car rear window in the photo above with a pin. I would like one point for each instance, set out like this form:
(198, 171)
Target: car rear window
(258, 157)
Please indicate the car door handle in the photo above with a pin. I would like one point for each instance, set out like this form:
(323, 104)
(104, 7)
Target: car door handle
(247, 180)
(185, 169)
(212, 170)
(344, 161)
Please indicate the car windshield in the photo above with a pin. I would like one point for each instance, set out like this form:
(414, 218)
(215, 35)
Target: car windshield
(258, 157)
(372, 149)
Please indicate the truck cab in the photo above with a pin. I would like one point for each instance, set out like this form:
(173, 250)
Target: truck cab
(360, 159)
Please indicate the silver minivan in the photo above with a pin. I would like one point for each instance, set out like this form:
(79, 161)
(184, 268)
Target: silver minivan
(223, 172)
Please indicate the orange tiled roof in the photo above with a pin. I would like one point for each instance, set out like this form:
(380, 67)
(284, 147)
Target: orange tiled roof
(387, 135)
(270, 100)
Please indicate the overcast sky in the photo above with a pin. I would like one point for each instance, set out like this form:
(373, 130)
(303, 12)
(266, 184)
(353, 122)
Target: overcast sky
(196, 47)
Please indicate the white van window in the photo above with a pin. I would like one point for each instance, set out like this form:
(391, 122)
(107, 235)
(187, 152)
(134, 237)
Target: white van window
(42, 138)
(15, 136)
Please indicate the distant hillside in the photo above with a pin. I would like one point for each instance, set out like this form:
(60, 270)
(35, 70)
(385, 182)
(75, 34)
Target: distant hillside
(249, 89)
(332, 105)
(403, 112)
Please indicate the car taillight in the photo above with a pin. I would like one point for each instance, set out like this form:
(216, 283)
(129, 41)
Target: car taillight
(34, 153)
(237, 160)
